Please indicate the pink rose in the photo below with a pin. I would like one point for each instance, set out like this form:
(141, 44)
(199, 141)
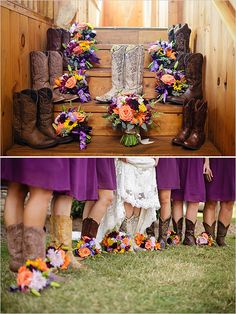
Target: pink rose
(71, 82)
(78, 50)
(168, 79)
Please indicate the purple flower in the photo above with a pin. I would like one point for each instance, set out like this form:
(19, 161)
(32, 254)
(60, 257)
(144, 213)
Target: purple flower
(38, 281)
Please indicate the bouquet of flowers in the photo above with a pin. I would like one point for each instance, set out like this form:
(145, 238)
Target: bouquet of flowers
(146, 243)
(172, 237)
(34, 276)
(162, 53)
(74, 83)
(57, 258)
(170, 82)
(87, 247)
(204, 239)
(82, 31)
(130, 113)
(73, 122)
(117, 242)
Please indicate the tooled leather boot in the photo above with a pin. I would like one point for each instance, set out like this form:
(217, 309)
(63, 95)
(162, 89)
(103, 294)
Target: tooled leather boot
(182, 35)
(33, 243)
(210, 230)
(171, 35)
(189, 238)
(221, 233)
(89, 228)
(54, 40)
(151, 230)
(65, 39)
(14, 235)
(193, 72)
(24, 121)
(163, 228)
(197, 136)
(187, 123)
(178, 227)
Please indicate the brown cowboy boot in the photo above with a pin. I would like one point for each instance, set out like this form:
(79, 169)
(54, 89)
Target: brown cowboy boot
(65, 39)
(210, 230)
(171, 35)
(54, 39)
(163, 228)
(89, 228)
(33, 243)
(193, 71)
(181, 35)
(178, 227)
(197, 137)
(151, 230)
(221, 233)
(187, 123)
(24, 121)
(14, 243)
(189, 238)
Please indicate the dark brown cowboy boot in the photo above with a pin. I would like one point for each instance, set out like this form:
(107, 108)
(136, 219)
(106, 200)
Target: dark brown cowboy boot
(54, 41)
(221, 233)
(163, 228)
(193, 71)
(14, 243)
(189, 238)
(187, 123)
(24, 121)
(89, 228)
(151, 230)
(33, 243)
(65, 39)
(210, 230)
(55, 71)
(182, 35)
(178, 227)
(171, 35)
(197, 137)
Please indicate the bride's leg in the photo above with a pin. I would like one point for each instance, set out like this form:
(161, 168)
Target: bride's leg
(129, 210)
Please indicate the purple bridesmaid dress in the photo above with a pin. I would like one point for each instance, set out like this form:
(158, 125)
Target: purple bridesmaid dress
(48, 173)
(192, 185)
(106, 173)
(222, 186)
(167, 174)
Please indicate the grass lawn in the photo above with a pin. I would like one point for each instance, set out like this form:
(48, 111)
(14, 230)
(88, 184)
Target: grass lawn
(177, 280)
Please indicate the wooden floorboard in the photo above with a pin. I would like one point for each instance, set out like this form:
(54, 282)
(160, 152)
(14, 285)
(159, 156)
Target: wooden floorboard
(110, 146)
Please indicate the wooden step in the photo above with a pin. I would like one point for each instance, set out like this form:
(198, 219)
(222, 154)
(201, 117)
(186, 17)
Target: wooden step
(122, 35)
(110, 146)
(167, 123)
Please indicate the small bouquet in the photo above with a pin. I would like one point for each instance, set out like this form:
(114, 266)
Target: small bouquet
(162, 53)
(73, 122)
(145, 243)
(170, 82)
(117, 242)
(87, 247)
(172, 238)
(204, 239)
(82, 31)
(74, 83)
(57, 258)
(34, 276)
(130, 113)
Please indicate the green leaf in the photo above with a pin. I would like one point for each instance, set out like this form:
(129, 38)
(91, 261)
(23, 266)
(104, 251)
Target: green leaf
(69, 68)
(35, 292)
(54, 284)
(176, 65)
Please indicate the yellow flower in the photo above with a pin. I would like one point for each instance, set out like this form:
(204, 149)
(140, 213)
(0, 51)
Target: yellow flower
(78, 77)
(90, 25)
(177, 86)
(85, 45)
(142, 108)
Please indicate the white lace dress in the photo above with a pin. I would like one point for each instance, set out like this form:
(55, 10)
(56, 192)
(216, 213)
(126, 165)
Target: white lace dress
(136, 184)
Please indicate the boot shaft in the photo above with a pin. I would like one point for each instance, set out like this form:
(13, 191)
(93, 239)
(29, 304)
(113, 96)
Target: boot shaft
(210, 230)
(39, 69)
(221, 233)
(14, 234)
(89, 228)
(117, 68)
(188, 108)
(33, 243)
(193, 69)
(55, 66)
(45, 109)
(200, 114)
(178, 227)
(54, 39)
(182, 35)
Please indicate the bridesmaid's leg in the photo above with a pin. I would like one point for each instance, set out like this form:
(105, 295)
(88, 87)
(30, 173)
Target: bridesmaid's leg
(105, 198)
(192, 210)
(165, 214)
(224, 219)
(87, 208)
(209, 217)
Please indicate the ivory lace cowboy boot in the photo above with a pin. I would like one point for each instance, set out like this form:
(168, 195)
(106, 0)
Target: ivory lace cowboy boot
(133, 76)
(221, 233)
(189, 238)
(210, 230)
(24, 121)
(39, 64)
(197, 136)
(117, 72)
(61, 235)
(14, 235)
(181, 36)
(163, 228)
(187, 123)
(193, 71)
(33, 243)
(178, 227)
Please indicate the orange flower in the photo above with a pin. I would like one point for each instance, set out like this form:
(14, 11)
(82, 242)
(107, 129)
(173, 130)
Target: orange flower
(140, 117)
(60, 126)
(139, 238)
(126, 113)
(170, 54)
(84, 252)
(116, 110)
(205, 235)
(125, 241)
(79, 116)
(168, 79)
(57, 82)
(78, 35)
(71, 82)
(66, 259)
(78, 50)
(157, 246)
(41, 264)
(24, 277)
(148, 245)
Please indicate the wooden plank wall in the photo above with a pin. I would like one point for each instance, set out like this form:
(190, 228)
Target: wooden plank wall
(211, 37)
(21, 33)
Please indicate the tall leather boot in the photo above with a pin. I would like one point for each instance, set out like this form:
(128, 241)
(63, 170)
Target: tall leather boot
(61, 235)
(189, 238)
(221, 233)
(14, 243)
(33, 243)
(193, 71)
(89, 228)
(117, 72)
(54, 39)
(133, 77)
(65, 39)
(187, 123)
(24, 121)
(55, 66)
(39, 64)
(210, 230)
(178, 227)
(182, 35)
(151, 230)
(171, 35)
(163, 228)
(197, 136)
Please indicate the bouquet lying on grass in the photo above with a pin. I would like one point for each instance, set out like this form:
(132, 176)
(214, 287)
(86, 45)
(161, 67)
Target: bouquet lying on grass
(57, 258)
(205, 239)
(146, 243)
(117, 242)
(74, 83)
(74, 122)
(87, 247)
(172, 238)
(131, 114)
